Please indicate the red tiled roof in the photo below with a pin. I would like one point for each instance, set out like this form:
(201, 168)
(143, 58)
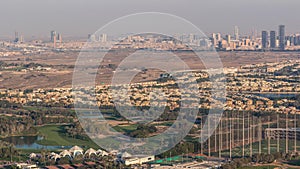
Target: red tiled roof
(51, 167)
(66, 166)
(90, 163)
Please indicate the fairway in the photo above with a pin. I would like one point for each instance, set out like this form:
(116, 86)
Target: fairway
(125, 128)
(54, 136)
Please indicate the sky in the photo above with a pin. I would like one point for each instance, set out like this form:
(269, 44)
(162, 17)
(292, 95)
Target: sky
(81, 17)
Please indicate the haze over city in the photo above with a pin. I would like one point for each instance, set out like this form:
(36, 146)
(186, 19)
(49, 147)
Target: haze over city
(35, 18)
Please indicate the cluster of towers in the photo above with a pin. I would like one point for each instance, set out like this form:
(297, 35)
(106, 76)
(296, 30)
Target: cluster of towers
(272, 41)
(97, 38)
(55, 37)
(18, 38)
(280, 41)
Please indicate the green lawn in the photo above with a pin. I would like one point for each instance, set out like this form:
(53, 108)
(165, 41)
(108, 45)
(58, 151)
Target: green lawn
(125, 128)
(54, 136)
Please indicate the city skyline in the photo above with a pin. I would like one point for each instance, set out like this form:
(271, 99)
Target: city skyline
(235, 34)
(267, 40)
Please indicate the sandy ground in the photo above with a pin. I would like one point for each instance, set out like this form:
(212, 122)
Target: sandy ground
(63, 77)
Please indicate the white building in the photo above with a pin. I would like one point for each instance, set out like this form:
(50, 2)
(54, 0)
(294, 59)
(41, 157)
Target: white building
(138, 160)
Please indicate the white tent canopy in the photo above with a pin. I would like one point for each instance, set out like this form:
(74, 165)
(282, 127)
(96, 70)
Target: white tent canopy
(102, 153)
(76, 150)
(65, 153)
(90, 151)
(55, 156)
(52, 154)
(126, 155)
(32, 155)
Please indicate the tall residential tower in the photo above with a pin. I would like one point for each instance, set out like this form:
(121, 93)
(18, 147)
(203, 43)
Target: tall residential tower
(281, 37)
(236, 33)
(273, 39)
(264, 39)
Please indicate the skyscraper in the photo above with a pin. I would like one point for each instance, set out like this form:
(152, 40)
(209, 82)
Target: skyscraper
(214, 39)
(281, 37)
(16, 37)
(273, 39)
(59, 38)
(264, 40)
(53, 36)
(228, 39)
(104, 38)
(236, 33)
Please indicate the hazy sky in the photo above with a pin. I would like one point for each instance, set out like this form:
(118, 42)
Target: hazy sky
(80, 17)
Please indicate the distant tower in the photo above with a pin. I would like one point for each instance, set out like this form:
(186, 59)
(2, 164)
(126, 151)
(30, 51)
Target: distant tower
(16, 37)
(219, 37)
(214, 39)
(191, 38)
(54, 42)
(264, 40)
(273, 39)
(53, 36)
(21, 39)
(228, 39)
(281, 37)
(92, 37)
(59, 37)
(104, 38)
(236, 33)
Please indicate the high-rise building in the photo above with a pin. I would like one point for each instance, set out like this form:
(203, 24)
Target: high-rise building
(281, 37)
(53, 36)
(236, 33)
(264, 39)
(273, 39)
(16, 37)
(59, 37)
(104, 38)
(21, 40)
(297, 39)
(219, 37)
(291, 41)
(228, 39)
(92, 37)
(191, 38)
(214, 39)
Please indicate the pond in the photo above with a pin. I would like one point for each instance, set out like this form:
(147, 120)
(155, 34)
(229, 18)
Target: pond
(30, 142)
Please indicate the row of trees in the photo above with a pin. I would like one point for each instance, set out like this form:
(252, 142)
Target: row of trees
(7, 150)
(16, 119)
(14, 125)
